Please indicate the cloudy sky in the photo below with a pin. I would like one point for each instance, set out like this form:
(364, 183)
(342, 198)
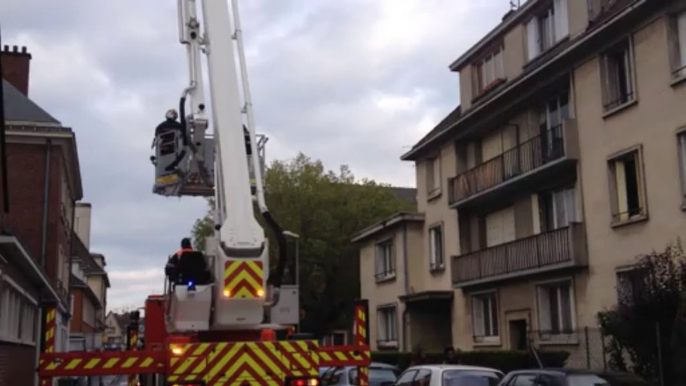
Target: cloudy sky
(353, 82)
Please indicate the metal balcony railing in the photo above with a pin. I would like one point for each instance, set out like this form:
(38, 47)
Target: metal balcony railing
(560, 246)
(525, 157)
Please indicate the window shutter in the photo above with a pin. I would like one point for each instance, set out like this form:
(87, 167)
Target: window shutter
(561, 20)
(681, 26)
(620, 181)
(380, 325)
(379, 259)
(533, 37)
(432, 246)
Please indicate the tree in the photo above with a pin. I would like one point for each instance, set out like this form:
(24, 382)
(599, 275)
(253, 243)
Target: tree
(325, 208)
(203, 227)
(647, 312)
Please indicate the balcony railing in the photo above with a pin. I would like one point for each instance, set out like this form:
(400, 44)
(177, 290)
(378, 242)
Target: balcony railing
(521, 159)
(560, 247)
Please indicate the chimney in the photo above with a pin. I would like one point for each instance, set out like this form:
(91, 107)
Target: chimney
(15, 67)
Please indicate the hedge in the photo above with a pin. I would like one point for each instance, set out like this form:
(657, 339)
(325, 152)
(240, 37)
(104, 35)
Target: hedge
(505, 361)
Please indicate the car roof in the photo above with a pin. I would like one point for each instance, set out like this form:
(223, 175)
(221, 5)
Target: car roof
(568, 371)
(454, 367)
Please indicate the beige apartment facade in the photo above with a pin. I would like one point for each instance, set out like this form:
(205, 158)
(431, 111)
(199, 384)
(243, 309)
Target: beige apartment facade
(565, 159)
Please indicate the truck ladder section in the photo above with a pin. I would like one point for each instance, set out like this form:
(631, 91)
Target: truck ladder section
(260, 363)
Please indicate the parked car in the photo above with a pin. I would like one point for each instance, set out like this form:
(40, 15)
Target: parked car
(379, 373)
(571, 377)
(449, 375)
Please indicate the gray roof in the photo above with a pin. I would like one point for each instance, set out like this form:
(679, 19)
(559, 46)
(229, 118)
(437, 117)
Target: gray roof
(19, 108)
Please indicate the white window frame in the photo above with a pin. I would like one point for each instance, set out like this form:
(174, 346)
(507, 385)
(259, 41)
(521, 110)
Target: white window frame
(619, 214)
(677, 44)
(557, 20)
(608, 78)
(22, 300)
(436, 249)
(479, 332)
(387, 320)
(433, 176)
(681, 143)
(491, 68)
(549, 335)
(384, 260)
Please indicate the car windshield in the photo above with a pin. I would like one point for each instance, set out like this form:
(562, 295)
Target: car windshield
(606, 380)
(470, 378)
(376, 376)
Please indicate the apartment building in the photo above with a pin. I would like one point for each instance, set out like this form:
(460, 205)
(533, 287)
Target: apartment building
(565, 159)
(44, 182)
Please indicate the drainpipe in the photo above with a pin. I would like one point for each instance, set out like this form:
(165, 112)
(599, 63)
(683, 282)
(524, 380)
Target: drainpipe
(72, 234)
(46, 192)
(39, 340)
(406, 282)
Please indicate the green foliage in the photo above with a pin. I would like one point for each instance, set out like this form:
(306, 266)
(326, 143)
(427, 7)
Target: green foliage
(649, 312)
(203, 227)
(505, 361)
(325, 208)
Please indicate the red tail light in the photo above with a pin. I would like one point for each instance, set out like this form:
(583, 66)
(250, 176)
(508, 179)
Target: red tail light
(304, 382)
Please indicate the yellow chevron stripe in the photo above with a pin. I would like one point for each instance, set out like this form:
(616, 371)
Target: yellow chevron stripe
(147, 362)
(244, 276)
(92, 363)
(172, 378)
(111, 362)
(186, 363)
(298, 357)
(219, 349)
(231, 267)
(252, 265)
(201, 348)
(129, 362)
(244, 293)
(73, 363)
(325, 356)
(274, 369)
(199, 368)
(340, 355)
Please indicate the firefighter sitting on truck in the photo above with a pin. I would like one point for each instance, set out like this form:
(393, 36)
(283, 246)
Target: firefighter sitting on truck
(187, 266)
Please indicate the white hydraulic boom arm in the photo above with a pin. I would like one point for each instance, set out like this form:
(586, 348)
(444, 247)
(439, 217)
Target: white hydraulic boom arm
(236, 295)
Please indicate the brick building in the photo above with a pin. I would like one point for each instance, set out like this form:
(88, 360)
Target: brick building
(37, 238)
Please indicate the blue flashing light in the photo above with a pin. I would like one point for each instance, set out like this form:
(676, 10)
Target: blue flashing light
(191, 286)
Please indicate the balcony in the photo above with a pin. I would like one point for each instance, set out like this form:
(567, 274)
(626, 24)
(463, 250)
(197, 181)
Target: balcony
(548, 155)
(561, 248)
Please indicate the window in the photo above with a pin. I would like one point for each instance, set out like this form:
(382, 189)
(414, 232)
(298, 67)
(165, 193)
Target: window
(617, 76)
(547, 28)
(557, 209)
(406, 378)
(485, 317)
(523, 380)
(555, 308)
(386, 326)
(682, 162)
(18, 315)
(490, 69)
(436, 247)
(385, 260)
(677, 44)
(626, 183)
(598, 7)
(433, 177)
(470, 377)
(423, 378)
(550, 126)
(630, 284)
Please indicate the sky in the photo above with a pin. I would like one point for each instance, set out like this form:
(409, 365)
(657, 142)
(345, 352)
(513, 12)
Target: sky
(348, 82)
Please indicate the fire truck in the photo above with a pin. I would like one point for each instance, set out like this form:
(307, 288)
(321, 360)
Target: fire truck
(212, 326)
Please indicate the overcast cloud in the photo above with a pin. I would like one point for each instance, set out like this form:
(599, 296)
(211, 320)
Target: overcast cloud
(353, 82)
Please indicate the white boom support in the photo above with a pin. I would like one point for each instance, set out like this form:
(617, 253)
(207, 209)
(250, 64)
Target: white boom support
(239, 235)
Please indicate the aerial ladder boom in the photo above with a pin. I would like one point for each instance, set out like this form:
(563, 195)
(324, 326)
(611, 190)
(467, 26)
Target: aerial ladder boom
(229, 166)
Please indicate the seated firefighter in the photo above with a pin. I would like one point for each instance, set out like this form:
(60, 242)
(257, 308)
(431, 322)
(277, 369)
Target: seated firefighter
(187, 266)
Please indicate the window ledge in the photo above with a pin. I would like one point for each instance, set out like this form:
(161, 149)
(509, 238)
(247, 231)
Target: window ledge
(387, 344)
(683, 206)
(619, 108)
(637, 219)
(434, 194)
(385, 279)
(678, 80)
(488, 343)
(559, 340)
(437, 268)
